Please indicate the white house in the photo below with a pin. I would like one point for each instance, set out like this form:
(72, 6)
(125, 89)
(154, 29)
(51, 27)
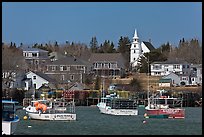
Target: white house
(164, 68)
(137, 49)
(38, 79)
(184, 78)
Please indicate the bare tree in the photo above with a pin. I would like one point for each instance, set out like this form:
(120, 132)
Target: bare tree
(12, 62)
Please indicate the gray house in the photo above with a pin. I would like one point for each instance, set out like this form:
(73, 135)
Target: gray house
(175, 79)
(107, 64)
(196, 74)
(66, 69)
(35, 58)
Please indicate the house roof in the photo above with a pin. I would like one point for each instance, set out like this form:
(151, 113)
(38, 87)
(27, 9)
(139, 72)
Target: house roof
(149, 45)
(44, 76)
(78, 86)
(56, 55)
(68, 60)
(33, 49)
(172, 61)
(109, 57)
(167, 80)
(196, 65)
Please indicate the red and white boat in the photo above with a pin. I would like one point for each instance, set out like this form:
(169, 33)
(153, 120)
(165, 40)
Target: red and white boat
(164, 107)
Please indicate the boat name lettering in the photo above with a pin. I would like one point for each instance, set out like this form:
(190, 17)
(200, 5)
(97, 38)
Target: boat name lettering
(64, 115)
(46, 116)
(170, 111)
(125, 111)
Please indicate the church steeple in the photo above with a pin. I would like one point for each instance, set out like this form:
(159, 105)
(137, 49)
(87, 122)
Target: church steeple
(135, 50)
(135, 35)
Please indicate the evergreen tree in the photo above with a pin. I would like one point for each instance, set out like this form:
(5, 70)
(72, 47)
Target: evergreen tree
(94, 45)
(97, 83)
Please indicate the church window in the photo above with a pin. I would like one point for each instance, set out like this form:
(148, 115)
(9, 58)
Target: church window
(134, 58)
(134, 51)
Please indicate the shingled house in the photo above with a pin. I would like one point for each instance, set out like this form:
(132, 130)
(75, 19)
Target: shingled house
(66, 69)
(107, 64)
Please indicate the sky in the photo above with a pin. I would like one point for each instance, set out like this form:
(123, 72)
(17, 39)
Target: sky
(43, 22)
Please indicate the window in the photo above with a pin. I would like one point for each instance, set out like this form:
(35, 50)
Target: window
(72, 77)
(187, 66)
(79, 67)
(157, 67)
(53, 68)
(176, 66)
(62, 77)
(65, 68)
(184, 66)
(68, 68)
(183, 78)
(34, 77)
(34, 86)
(34, 55)
(134, 51)
(61, 68)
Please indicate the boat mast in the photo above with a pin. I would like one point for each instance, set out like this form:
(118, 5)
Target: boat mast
(148, 101)
(102, 92)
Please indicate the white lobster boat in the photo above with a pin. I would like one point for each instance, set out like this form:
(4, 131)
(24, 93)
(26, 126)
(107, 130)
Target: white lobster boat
(113, 105)
(51, 110)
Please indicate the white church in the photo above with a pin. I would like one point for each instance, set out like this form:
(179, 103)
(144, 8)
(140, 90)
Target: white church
(137, 49)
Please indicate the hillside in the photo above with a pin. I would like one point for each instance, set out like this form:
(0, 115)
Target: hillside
(153, 83)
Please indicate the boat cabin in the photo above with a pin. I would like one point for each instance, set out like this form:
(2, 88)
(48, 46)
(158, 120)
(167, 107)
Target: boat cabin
(8, 110)
(120, 103)
(165, 102)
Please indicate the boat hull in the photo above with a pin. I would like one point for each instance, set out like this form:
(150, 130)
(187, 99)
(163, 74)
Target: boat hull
(55, 116)
(158, 116)
(172, 113)
(9, 127)
(125, 112)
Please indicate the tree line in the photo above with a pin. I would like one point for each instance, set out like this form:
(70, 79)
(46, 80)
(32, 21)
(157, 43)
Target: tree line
(188, 50)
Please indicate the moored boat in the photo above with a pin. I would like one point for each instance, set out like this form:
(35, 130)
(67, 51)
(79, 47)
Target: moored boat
(114, 105)
(159, 105)
(51, 110)
(9, 118)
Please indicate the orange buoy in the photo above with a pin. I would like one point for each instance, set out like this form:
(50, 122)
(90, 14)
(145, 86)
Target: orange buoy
(36, 103)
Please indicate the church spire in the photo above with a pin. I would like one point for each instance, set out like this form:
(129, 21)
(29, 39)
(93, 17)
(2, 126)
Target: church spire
(135, 35)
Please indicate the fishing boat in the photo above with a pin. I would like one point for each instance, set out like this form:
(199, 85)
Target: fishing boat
(51, 110)
(160, 106)
(114, 105)
(9, 118)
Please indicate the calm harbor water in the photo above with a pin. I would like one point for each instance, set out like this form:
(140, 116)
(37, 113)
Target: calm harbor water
(91, 122)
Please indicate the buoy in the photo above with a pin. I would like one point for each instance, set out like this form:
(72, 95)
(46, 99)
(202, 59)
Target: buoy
(29, 126)
(144, 121)
(25, 117)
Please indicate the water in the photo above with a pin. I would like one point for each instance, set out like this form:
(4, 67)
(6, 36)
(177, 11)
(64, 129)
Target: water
(91, 122)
